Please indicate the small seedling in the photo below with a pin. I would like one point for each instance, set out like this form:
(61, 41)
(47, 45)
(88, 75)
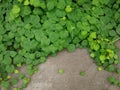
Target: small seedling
(82, 73)
(16, 71)
(100, 68)
(60, 71)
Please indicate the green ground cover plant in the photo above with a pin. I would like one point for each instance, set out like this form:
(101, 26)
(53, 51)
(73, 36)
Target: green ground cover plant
(30, 30)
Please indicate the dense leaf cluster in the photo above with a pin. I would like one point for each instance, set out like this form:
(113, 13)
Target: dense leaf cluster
(30, 30)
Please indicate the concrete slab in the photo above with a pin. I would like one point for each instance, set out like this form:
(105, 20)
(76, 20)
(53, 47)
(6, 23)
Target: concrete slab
(47, 78)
